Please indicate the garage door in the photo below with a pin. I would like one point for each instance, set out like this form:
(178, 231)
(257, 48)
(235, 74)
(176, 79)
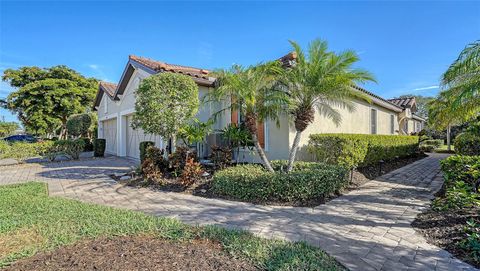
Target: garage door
(135, 136)
(110, 135)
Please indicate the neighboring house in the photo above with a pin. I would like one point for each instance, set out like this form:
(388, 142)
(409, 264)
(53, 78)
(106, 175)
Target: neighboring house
(409, 122)
(115, 105)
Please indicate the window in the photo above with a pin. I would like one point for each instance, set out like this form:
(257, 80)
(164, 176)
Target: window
(405, 126)
(373, 121)
(392, 124)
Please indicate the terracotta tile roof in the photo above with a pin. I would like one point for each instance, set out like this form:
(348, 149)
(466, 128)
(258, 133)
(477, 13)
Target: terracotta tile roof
(403, 102)
(288, 59)
(201, 75)
(109, 88)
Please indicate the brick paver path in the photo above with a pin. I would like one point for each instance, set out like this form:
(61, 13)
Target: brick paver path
(366, 229)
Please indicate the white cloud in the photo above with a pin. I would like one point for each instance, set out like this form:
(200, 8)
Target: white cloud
(93, 66)
(425, 88)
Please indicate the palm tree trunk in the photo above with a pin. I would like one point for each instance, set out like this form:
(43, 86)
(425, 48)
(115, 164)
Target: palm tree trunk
(261, 153)
(293, 150)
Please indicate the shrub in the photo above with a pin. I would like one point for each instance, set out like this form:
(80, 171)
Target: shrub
(461, 168)
(426, 148)
(24, 150)
(347, 151)
(191, 172)
(433, 142)
(143, 149)
(461, 174)
(79, 124)
(72, 148)
(467, 144)
(88, 144)
(221, 157)
(99, 147)
(253, 183)
(351, 150)
(178, 159)
(154, 165)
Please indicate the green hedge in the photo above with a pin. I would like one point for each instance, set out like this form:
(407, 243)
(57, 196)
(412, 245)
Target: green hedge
(143, 149)
(254, 184)
(461, 173)
(467, 144)
(351, 150)
(433, 142)
(24, 150)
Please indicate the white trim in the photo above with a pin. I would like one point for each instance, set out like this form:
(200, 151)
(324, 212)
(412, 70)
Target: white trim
(266, 134)
(127, 112)
(108, 117)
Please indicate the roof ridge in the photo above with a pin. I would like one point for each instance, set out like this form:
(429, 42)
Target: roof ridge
(165, 65)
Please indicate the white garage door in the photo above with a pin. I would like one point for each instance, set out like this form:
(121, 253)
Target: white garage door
(110, 135)
(135, 136)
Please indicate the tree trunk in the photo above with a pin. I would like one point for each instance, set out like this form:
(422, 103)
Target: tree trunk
(449, 147)
(261, 153)
(251, 123)
(293, 151)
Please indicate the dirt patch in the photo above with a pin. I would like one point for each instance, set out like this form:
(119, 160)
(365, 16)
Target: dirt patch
(18, 241)
(445, 229)
(134, 253)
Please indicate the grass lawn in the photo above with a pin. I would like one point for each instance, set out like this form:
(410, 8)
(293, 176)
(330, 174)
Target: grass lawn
(30, 222)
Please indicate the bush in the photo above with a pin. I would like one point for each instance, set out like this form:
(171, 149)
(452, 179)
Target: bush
(191, 172)
(433, 142)
(352, 150)
(88, 144)
(24, 150)
(72, 148)
(253, 183)
(467, 144)
(461, 174)
(79, 124)
(427, 148)
(154, 165)
(179, 158)
(221, 157)
(99, 147)
(143, 149)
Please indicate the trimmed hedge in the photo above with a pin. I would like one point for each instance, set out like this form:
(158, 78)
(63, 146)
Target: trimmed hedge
(99, 147)
(253, 183)
(24, 150)
(433, 142)
(352, 150)
(467, 144)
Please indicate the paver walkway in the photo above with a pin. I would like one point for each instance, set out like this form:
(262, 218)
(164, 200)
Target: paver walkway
(366, 229)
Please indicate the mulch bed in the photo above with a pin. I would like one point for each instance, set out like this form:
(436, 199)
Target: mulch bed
(134, 253)
(445, 229)
(202, 187)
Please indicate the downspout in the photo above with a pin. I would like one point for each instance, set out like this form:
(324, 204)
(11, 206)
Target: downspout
(449, 148)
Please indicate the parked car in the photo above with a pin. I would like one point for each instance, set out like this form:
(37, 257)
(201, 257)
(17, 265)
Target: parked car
(20, 138)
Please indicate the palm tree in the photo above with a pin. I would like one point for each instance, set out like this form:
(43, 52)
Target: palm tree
(251, 91)
(322, 81)
(462, 79)
(442, 114)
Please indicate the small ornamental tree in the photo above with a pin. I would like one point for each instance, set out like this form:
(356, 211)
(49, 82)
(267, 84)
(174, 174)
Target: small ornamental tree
(165, 102)
(79, 124)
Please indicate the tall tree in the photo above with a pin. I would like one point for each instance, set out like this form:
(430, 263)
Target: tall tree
(462, 79)
(251, 92)
(322, 81)
(45, 98)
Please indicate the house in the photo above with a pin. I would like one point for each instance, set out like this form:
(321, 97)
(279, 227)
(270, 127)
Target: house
(115, 105)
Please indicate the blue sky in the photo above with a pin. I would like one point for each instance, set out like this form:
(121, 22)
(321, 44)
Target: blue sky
(406, 45)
